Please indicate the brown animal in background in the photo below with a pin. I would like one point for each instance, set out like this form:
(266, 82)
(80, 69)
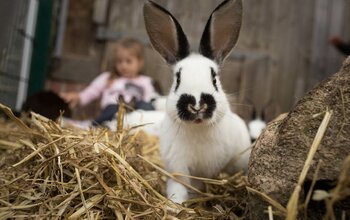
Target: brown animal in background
(48, 104)
(280, 152)
(340, 45)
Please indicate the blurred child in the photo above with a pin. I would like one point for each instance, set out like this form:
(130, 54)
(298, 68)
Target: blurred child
(123, 81)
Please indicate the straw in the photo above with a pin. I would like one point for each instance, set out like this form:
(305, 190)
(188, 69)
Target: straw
(292, 206)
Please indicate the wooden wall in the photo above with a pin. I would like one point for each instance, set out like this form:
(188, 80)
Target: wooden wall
(81, 53)
(282, 52)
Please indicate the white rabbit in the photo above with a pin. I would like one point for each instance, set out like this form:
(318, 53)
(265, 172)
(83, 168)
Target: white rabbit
(200, 135)
(149, 120)
(159, 103)
(256, 125)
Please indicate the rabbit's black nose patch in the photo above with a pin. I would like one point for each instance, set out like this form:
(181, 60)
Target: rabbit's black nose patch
(210, 103)
(183, 107)
(188, 111)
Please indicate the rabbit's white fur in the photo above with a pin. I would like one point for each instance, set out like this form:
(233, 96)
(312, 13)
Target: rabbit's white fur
(149, 120)
(256, 126)
(160, 103)
(201, 149)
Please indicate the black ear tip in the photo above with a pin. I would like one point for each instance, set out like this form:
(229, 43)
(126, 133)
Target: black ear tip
(154, 4)
(239, 2)
(150, 4)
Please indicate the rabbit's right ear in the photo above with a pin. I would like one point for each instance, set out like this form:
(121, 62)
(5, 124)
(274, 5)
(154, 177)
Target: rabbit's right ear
(165, 33)
(222, 30)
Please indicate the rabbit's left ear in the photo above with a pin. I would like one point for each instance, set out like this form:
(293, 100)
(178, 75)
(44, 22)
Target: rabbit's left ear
(165, 33)
(222, 30)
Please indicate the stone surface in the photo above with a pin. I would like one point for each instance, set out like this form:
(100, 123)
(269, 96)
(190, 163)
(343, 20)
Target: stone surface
(280, 152)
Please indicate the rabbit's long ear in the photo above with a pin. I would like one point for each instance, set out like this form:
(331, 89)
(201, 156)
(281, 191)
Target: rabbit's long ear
(222, 30)
(165, 33)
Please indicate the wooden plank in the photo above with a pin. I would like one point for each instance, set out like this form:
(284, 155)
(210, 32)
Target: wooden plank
(346, 26)
(79, 36)
(156, 67)
(230, 77)
(319, 45)
(300, 24)
(100, 11)
(337, 14)
(278, 48)
(305, 31)
(247, 86)
(75, 68)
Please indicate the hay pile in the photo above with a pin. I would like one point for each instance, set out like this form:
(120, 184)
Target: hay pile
(50, 172)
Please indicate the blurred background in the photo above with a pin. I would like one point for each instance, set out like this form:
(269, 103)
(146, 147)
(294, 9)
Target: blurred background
(283, 51)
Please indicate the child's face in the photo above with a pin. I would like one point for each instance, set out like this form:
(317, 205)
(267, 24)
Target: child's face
(127, 64)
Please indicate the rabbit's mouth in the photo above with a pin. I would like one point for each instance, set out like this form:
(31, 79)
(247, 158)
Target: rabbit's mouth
(198, 121)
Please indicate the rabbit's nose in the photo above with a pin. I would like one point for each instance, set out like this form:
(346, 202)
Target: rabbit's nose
(186, 107)
(195, 110)
(207, 104)
(189, 109)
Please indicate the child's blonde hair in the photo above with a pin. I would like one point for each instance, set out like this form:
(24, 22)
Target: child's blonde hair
(133, 45)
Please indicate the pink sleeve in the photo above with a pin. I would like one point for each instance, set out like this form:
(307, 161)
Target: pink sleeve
(149, 91)
(94, 89)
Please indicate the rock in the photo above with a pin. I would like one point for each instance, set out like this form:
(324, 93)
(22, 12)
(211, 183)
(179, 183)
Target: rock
(280, 152)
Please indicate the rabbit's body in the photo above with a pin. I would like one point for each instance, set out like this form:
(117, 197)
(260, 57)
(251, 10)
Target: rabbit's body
(206, 147)
(204, 151)
(200, 148)
(200, 136)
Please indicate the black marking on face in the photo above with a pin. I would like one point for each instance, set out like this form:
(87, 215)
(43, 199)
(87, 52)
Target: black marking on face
(188, 111)
(178, 79)
(209, 101)
(182, 107)
(213, 78)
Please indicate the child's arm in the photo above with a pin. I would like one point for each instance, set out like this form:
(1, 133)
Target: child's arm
(94, 89)
(72, 98)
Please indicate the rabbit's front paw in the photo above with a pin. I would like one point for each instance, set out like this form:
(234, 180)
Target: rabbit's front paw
(176, 192)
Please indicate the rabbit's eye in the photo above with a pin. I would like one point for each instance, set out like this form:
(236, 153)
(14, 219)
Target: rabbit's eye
(178, 79)
(213, 77)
